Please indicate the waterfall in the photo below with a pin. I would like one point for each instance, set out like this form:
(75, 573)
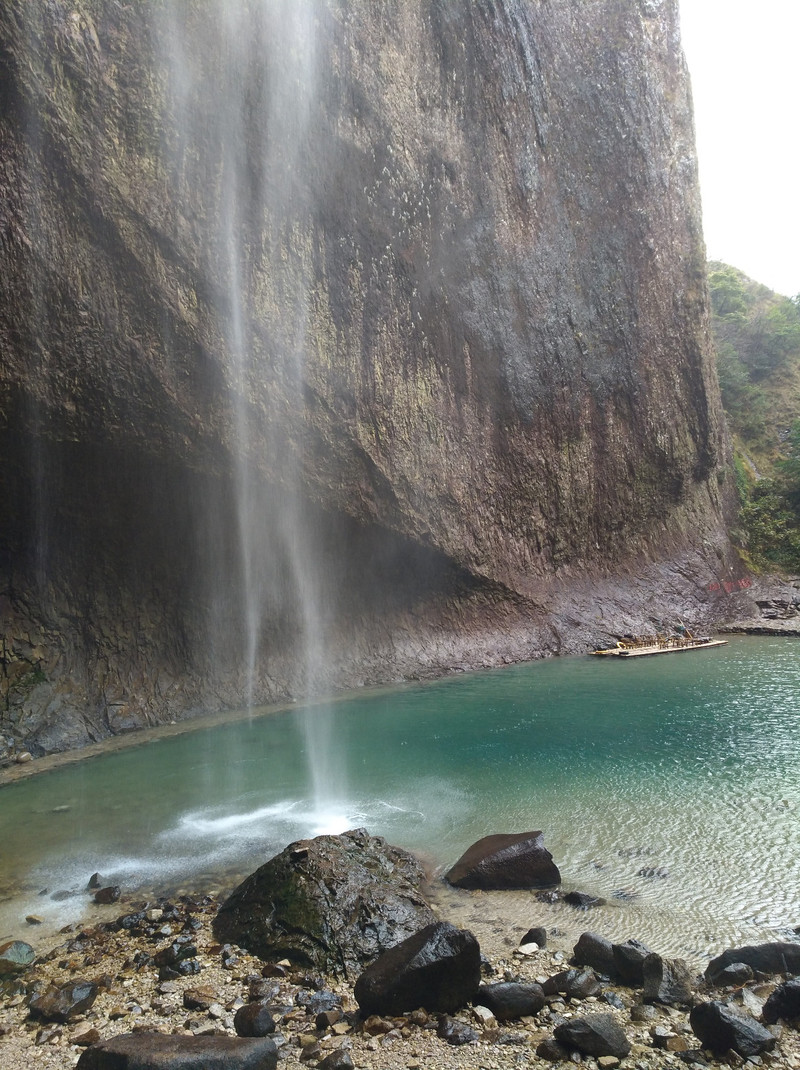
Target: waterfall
(242, 95)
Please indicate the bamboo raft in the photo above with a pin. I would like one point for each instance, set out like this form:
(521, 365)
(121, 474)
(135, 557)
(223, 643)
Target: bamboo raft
(648, 645)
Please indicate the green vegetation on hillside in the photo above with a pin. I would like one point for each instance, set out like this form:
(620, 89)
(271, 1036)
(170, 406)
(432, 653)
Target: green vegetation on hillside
(757, 338)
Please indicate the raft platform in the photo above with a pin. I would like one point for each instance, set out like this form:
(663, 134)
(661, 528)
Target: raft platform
(638, 648)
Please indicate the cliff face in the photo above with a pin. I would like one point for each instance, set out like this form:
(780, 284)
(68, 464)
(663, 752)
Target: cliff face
(341, 341)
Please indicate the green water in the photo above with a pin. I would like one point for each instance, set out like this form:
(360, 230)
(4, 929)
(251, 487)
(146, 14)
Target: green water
(685, 765)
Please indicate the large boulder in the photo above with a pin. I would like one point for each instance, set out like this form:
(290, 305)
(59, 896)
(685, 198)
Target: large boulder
(155, 1051)
(778, 957)
(439, 968)
(721, 1027)
(506, 861)
(333, 903)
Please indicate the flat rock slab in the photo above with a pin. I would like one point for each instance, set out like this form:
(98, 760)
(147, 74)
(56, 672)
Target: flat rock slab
(506, 861)
(155, 1051)
(334, 903)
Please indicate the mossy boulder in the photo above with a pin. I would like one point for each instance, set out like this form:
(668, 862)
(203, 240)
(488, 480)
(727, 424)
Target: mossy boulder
(333, 903)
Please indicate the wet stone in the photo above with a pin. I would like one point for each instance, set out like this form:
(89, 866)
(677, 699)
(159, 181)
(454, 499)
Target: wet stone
(67, 1001)
(15, 957)
(506, 861)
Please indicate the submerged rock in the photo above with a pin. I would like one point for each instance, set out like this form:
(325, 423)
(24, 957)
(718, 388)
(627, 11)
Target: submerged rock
(438, 968)
(333, 903)
(506, 861)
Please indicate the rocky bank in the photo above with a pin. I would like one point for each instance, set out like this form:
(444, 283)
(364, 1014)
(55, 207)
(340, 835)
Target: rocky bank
(343, 342)
(157, 967)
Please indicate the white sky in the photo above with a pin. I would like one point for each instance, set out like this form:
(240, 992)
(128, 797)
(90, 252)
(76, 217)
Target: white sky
(744, 59)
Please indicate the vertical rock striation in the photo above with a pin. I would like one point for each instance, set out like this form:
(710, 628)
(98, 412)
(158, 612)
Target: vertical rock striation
(394, 310)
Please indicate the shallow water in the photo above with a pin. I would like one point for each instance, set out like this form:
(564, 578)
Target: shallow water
(668, 785)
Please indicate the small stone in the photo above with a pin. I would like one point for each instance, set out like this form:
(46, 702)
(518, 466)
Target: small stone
(23, 757)
(196, 999)
(337, 1060)
(537, 935)
(527, 949)
(107, 895)
(33, 919)
(455, 1032)
(86, 1038)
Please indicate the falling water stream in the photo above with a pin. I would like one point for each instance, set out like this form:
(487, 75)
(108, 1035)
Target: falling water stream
(243, 91)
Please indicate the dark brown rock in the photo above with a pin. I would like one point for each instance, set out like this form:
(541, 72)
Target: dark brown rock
(510, 999)
(439, 968)
(594, 1034)
(669, 981)
(254, 1020)
(783, 1003)
(334, 903)
(778, 957)
(721, 1027)
(107, 895)
(595, 951)
(155, 1051)
(65, 1002)
(506, 861)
